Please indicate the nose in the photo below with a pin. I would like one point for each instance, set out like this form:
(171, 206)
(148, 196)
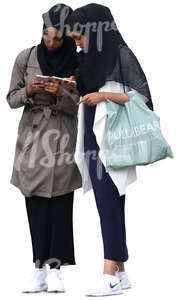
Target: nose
(51, 43)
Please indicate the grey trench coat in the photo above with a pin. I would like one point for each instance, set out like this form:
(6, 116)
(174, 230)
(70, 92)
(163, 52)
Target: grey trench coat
(44, 153)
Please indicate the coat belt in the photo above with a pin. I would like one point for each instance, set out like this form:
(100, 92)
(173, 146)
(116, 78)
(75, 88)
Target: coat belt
(47, 111)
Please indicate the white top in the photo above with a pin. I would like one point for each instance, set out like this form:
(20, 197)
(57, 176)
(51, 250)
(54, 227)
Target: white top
(122, 177)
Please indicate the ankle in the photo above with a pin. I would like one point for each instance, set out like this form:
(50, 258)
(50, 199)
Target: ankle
(120, 268)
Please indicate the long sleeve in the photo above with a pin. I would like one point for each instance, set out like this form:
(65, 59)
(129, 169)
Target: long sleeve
(68, 102)
(17, 96)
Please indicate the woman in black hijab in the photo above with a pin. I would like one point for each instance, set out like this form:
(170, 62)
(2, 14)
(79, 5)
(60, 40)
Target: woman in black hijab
(105, 61)
(56, 58)
(44, 168)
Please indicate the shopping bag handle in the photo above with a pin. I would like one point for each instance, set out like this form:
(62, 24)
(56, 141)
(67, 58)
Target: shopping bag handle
(119, 57)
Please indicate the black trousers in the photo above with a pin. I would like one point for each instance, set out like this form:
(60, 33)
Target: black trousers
(51, 228)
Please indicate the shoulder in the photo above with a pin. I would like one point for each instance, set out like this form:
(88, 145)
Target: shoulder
(127, 55)
(124, 50)
(21, 58)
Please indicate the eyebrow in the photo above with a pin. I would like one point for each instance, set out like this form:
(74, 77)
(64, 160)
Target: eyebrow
(54, 37)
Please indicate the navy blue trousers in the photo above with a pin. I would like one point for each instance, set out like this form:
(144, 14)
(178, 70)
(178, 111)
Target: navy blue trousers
(110, 206)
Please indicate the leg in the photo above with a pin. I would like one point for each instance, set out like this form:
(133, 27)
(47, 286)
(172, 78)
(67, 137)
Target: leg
(39, 223)
(109, 266)
(120, 266)
(111, 211)
(113, 231)
(62, 243)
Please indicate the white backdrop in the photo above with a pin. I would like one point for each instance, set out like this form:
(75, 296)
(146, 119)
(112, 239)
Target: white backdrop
(150, 28)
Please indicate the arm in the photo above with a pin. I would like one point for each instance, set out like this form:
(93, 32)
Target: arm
(68, 101)
(119, 98)
(17, 95)
(66, 98)
(94, 98)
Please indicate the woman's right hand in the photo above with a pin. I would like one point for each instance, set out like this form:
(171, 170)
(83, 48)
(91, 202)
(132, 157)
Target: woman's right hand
(72, 84)
(36, 86)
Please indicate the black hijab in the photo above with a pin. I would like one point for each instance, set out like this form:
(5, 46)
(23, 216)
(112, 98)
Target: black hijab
(108, 57)
(62, 61)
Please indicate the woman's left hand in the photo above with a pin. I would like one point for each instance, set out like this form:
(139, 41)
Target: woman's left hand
(52, 86)
(93, 98)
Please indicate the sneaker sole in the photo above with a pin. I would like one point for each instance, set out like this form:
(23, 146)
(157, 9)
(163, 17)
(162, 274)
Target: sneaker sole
(56, 291)
(43, 289)
(126, 287)
(33, 292)
(105, 295)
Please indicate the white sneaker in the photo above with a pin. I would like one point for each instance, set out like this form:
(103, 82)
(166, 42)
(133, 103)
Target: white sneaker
(36, 282)
(124, 279)
(107, 285)
(54, 281)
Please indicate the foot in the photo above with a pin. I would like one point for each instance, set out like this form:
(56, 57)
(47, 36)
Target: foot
(107, 285)
(54, 281)
(123, 277)
(36, 282)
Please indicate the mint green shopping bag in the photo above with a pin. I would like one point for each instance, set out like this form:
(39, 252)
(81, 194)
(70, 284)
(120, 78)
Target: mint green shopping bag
(133, 134)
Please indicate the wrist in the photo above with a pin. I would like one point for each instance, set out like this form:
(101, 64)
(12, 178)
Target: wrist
(104, 96)
(126, 98)
(60, 93)
(28, 91)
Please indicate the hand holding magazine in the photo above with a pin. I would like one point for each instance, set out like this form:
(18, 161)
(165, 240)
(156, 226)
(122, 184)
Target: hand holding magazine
(45, 78)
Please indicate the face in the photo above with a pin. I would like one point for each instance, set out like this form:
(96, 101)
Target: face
(79, 39)
(52, 38)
